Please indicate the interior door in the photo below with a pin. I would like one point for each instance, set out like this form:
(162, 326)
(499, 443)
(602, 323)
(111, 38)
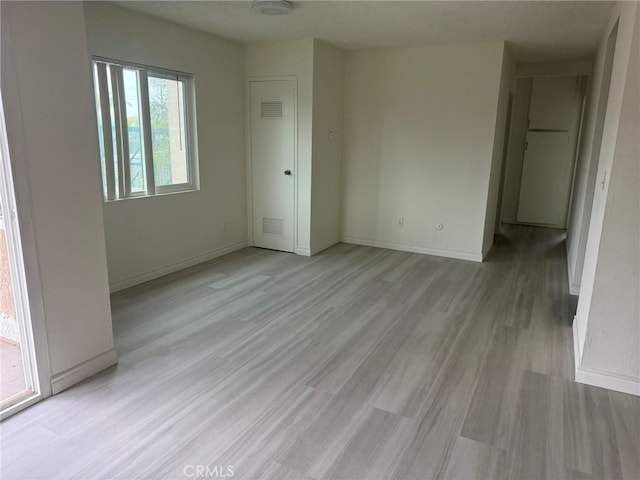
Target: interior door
(273, 126)
(546, 179)
(555, 102)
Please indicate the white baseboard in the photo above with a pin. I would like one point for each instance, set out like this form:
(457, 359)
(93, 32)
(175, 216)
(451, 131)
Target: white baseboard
(76, 374)
(474, 257)
(162, 271)
(597, 378)
(610, 381)
(305, 252)
(574, 288)
(325, 245)
(577, 351)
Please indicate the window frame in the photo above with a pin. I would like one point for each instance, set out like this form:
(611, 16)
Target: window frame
(120, 156)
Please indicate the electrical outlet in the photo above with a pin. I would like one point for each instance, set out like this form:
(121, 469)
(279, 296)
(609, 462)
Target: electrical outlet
(400, 222)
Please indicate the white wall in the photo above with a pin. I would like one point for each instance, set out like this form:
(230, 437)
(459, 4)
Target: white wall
(507, 85)
(292, 58)
(615, 298)
(607, 328)
(419, 129)
(50, 114)
(328, 89)
(148, 237)
(587, 165)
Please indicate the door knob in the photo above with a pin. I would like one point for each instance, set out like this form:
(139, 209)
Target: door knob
(287, 172)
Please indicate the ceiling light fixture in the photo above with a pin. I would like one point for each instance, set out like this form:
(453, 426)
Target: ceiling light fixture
(273, 7)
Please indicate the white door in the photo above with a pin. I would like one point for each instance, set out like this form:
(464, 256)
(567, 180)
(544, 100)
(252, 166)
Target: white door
(273, 127)
(546, 179)
(555, 103)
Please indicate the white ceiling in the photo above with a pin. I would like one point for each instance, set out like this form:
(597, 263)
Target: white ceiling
(536, 30)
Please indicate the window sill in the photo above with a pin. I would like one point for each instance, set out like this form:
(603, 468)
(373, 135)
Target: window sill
(155, 195)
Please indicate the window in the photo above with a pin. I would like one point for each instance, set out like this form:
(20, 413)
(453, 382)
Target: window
(145, 130)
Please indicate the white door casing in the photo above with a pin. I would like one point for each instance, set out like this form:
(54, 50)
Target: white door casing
(36, 374)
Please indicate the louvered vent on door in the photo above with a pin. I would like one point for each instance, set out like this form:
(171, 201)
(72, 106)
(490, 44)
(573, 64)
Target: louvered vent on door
(273, 226)
(271, 109)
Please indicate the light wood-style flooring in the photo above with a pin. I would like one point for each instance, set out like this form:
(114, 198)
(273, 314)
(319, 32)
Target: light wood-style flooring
(358, 363)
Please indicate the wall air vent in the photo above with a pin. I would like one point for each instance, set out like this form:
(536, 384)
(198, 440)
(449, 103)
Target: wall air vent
(272, 226)
(271, 110)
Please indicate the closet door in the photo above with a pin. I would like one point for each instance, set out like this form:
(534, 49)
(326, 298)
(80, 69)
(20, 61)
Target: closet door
(555, 103)
(273, 127)
(546, 179)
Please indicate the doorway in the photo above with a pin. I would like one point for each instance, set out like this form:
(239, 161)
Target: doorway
(542, 150)
(547, 171)
(19, 383)
(503, 166)
(273, 158)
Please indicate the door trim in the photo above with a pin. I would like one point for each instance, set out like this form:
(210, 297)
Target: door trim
(23, 255)
(249, 161)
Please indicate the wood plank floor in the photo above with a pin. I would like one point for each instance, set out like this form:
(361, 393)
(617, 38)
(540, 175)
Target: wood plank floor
(358, 363)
